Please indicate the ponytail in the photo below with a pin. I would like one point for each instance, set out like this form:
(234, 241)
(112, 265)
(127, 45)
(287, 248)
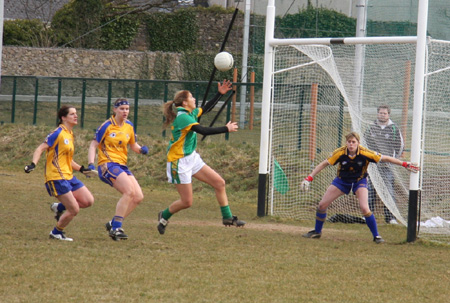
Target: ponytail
(168, 109)
(169, 113)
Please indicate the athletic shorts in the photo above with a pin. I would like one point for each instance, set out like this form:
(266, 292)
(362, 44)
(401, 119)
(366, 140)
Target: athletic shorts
(56, 188)
(108, 172)
(180, 171)
(346, 187)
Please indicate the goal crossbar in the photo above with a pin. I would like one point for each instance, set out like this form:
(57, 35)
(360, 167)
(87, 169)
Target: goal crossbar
(347, 40)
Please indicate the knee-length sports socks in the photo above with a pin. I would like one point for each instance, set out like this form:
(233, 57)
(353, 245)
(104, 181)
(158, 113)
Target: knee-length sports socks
(321, 215)
(371, 223)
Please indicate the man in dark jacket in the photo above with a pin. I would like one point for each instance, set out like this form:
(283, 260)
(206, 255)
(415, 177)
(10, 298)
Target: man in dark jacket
(384, 136)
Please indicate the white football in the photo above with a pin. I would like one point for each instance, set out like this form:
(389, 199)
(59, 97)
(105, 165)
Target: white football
(223, 61)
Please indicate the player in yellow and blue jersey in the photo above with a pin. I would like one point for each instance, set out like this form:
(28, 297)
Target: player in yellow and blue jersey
(59, 179)
(353, 160)
(183, 162)
(112, 139)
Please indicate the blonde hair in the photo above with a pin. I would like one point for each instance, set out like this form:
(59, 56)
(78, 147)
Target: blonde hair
(168, 108)
(352, 135)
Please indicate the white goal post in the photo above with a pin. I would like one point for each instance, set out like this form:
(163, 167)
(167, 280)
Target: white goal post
(310, 102)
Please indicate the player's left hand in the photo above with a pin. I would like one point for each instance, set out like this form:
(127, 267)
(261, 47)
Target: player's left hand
(232, 126)
(412, 167)
(226, 86)
(144, 150)
(88, 172)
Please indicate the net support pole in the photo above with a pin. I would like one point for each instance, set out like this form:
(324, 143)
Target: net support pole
(417, 117)
(361, 22)
(265, 111)
(244, 63)
(312, 133)
(406, 95)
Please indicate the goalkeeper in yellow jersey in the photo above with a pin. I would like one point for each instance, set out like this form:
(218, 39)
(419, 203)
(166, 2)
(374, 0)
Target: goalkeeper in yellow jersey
(353, 160)
(60, 181)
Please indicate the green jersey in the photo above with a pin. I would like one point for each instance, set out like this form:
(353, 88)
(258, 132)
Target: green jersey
(184, 139)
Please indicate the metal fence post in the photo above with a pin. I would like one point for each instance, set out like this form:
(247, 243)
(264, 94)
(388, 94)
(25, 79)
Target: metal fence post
(13, 105)
(136, 105)
(108, 102)
(36, 94)
(166, 94)
(83, 102)
(58, 103)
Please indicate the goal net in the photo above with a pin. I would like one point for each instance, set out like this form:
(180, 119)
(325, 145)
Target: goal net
(322, 92)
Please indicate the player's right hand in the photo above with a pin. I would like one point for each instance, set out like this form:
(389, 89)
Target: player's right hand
(91, 166)
(305, 183)
(29, 168)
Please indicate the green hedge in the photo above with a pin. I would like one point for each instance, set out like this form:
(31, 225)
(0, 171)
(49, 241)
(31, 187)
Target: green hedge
(315, 22)
(175, 32)
(25, 33)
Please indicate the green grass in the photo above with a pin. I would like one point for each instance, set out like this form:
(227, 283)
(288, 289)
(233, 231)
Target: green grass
(197, 260)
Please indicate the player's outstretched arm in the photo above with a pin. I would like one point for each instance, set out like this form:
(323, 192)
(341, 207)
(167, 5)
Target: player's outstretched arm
(307, 181)
(36, 156)
(206, 131)
(412, 167)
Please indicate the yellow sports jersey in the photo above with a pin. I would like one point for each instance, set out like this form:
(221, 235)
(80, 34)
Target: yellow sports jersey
(353, 169)
(59, 154)
(113, 140)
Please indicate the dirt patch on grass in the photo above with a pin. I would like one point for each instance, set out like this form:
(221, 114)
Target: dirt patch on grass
(273, 227)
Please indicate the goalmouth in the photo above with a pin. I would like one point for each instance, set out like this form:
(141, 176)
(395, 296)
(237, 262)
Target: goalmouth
(316, 90)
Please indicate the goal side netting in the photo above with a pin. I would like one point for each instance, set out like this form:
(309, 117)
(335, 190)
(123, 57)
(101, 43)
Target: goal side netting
(322, 92)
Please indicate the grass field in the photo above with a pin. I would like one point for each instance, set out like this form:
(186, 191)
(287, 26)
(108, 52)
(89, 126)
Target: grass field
(197, 260)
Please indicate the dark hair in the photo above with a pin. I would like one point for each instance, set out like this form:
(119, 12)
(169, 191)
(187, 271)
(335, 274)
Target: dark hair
(385, 106)
(168, 109)
(63, 112)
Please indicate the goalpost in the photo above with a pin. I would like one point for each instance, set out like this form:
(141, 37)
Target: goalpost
(310, 101)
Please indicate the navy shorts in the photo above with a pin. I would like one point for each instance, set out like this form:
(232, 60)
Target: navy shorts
(56, 188)
(109, 172)
(346, 187)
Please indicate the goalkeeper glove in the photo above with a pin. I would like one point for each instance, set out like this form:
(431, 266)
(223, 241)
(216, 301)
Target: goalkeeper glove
(411, 167)
(144, 150)
(305, 183)
(88, 172)
(29, 168)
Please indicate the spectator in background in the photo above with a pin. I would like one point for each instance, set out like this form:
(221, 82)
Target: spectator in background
(384, 136)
